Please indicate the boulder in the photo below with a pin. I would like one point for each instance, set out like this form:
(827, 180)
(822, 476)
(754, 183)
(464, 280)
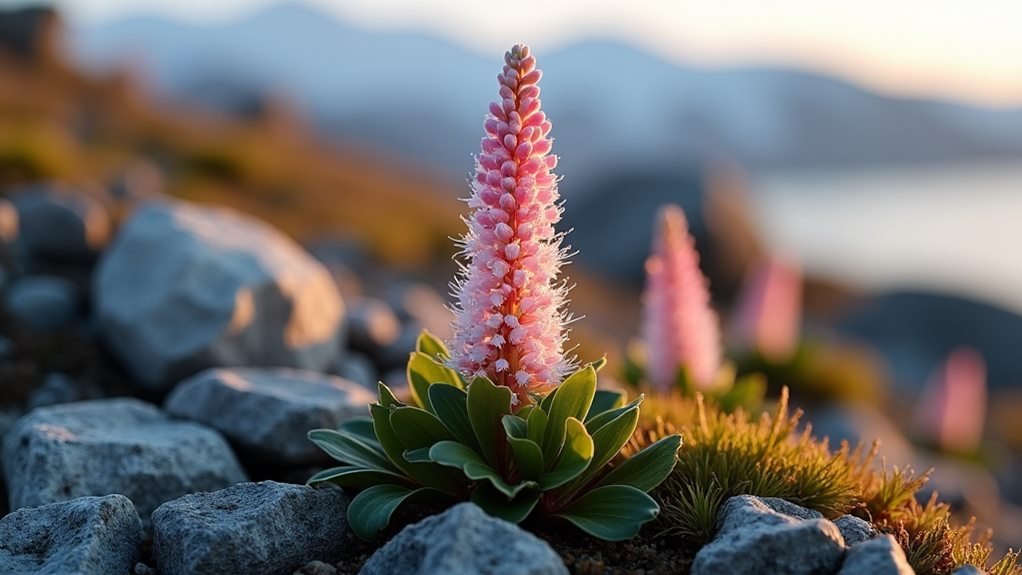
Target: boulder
(880, 556)
(360, 369)
(790, 509)
(267, 528)
(185, 287)
(464, 539)
(112, 446)
(84, 536)
(57, 388)
(59, 223)
(854, 530)
(372, 325)
(42, 303)
(422, 306)
(317, 568)
(269, 412)
(753, 538)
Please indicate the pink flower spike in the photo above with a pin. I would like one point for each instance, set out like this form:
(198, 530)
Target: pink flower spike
(953, 407)
(509, 316)
(679, 328)
(768, 316)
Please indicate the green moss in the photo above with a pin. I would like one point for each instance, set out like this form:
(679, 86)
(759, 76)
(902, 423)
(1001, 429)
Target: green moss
(728, 454)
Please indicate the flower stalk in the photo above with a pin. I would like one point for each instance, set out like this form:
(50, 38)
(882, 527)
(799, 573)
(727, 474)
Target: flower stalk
(509, 315)
(680, 329)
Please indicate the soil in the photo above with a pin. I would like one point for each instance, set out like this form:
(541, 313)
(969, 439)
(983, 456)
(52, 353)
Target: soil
(583, 555)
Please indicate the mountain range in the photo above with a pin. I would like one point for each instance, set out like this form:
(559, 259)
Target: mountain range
(614, 107)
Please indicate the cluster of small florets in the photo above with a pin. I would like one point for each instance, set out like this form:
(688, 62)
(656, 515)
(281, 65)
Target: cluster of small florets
(510, 321)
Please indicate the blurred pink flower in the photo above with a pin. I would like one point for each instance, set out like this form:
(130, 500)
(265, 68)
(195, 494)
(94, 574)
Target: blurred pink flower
(768, 316)
(952, 410)
(509, 318)
(680, 329)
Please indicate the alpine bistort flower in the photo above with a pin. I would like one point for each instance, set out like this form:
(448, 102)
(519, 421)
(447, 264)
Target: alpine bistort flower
(509, 323)
(768, 317)
(952, 411)
(680, 329)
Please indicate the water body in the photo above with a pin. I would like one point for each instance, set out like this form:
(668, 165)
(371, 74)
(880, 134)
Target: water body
(952, 229)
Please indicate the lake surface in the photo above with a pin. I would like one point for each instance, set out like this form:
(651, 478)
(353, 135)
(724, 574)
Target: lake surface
(954, 229)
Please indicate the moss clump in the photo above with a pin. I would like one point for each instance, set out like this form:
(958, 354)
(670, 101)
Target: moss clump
(728, 454)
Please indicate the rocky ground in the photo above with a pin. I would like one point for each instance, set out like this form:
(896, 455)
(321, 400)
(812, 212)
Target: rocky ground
(157, 381)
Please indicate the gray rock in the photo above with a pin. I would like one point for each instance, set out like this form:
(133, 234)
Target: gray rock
(143, 569)
(268, 412)
(968, 570)
(790, 509)
(7, 348)
(112, 446)
(58, 388)
(753, 538)
(360, 369)
(880, 556)
(317, 568)
(395, 355)
(61, 224)
(464, 539)
(854, 530)
(267, 528)
(420, 304)
(85, 536)
(219, 289)
(372, 325)
(42, 303)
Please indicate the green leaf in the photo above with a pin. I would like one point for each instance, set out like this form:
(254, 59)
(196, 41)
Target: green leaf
(432, 346)
(610, 438)
(498, 505)
(537, 423)
(424, 371)
(573, 399)
(600, 363)
(525, 410)
(451, 405)
(515, 426)
(357, 477)
(420, 455)
(417, 427)
(612, 512)
(647, 468)
(605, 400)
(548, 399)
(361, 427)
(454, 454)
(348, 448)
(387, 397)
(487, 405)
(607, 416)
(574, 459)
(427, 474)
(370, 511)
(528, 458)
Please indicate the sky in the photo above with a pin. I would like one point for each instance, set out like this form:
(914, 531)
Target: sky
(945, 48)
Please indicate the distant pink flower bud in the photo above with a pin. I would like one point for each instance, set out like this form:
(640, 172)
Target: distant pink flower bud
(768, 316)
(679, 328)
(509, 320)
(952, 411)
